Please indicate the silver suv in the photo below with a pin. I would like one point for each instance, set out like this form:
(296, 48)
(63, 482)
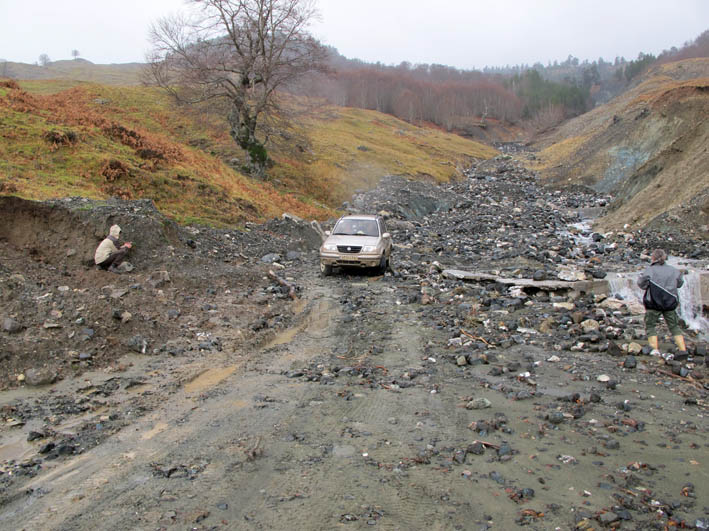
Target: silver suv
(357, 241)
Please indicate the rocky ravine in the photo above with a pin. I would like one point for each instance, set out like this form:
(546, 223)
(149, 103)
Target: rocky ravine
(194, 393)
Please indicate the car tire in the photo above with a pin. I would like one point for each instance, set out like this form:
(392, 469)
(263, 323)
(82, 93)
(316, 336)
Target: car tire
(383, 264)
(325, 269)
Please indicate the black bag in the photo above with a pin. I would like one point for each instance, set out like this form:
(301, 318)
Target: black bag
(658, 298)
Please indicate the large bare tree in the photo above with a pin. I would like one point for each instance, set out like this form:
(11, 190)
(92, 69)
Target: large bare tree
(240, 52)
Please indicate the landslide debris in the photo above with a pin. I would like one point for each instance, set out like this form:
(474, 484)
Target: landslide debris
(519, 396)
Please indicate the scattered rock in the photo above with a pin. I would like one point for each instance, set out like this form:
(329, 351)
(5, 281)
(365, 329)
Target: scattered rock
(11, 326)
(42, 376)
(479, 403)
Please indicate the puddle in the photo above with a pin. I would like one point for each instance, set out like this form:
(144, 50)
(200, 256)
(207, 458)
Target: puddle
(284, 337)
(317, 321)
(16, 448)
(209, 379)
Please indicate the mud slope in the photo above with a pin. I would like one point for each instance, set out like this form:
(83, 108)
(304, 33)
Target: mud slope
(647, 148)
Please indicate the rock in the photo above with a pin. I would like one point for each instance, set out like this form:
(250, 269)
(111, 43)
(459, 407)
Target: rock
(547, 326)
(137, 344)
(479, 403)
(461, 360)
(43, 376)
(158, 279)
(555, 417)
(590, 325)
(608, 518)
(614, 349)
(477, 448)
(630, 362)
(11, 326)
(270, 258)
(504, 450)
(571, 275)
(124, 267)
(564, 305)
(635, 348)
(598, 273)
(603, 378)
(118, 293)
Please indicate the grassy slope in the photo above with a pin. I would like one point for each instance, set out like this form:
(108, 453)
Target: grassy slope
(647, 147)
(113, 74)
(132, 142)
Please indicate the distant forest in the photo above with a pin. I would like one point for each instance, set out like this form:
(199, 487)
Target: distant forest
(535, 96)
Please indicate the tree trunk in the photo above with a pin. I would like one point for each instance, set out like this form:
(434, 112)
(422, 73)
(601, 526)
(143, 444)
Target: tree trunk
(242, 123)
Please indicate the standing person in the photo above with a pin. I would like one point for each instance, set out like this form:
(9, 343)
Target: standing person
(108, 255)
(660, 282)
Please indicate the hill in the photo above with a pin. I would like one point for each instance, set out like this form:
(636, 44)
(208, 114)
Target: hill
(647, 148)
(77, 70)
(66, 138)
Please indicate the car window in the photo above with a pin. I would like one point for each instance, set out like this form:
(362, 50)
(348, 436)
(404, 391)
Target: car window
(382, 227)
(359, 227)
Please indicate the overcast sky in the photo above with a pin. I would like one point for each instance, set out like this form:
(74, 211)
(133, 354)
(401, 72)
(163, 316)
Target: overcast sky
(461, 33)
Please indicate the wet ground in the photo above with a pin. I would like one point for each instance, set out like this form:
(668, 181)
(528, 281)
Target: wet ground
(403, 401)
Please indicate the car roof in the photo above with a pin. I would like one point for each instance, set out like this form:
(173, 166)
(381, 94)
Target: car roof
(360, 216)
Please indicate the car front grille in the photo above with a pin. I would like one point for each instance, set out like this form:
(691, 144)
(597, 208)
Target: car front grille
(349, 248)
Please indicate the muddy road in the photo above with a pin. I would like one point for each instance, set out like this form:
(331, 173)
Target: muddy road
(405, 401)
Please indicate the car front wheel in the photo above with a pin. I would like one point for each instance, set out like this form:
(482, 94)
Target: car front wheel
(325, 269)
(383, 264)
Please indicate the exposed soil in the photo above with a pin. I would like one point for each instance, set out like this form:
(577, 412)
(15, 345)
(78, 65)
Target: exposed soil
(411, 400)
(647, 147)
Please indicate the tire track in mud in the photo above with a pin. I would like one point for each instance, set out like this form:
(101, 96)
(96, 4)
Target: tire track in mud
(214, 418)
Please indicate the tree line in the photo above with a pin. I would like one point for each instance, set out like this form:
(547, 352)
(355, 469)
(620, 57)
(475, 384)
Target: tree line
(242, 54)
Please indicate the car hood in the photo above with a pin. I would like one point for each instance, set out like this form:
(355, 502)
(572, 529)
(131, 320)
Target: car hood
(352, 240)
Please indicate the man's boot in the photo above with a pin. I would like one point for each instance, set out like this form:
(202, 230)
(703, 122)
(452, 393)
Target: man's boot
(652, 341)
(682, 355)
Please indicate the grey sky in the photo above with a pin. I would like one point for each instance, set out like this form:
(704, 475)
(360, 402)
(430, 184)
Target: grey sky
(461, 33)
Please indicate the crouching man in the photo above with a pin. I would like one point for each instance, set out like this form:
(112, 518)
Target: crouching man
(108, 256)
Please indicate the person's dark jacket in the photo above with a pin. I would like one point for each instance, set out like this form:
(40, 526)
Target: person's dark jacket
(665, 276)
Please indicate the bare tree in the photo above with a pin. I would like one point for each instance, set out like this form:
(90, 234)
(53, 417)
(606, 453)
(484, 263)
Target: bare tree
(239, 52)
(75, 54)
(44, 59)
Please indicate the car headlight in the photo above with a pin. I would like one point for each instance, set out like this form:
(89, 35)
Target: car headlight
(369, 248)
(329, 247)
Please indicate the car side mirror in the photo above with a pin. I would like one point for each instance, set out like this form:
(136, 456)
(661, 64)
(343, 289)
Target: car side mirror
(327, 233)
(386, 235)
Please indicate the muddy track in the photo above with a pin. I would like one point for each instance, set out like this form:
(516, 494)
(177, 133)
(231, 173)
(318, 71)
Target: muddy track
(350, 417)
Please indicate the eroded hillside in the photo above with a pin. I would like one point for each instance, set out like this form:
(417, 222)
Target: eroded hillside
(647, 148)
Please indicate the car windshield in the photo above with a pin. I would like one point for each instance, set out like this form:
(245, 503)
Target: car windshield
(358, 227)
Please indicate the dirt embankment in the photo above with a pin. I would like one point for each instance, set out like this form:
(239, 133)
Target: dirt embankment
(413, 400)
(647, 148)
